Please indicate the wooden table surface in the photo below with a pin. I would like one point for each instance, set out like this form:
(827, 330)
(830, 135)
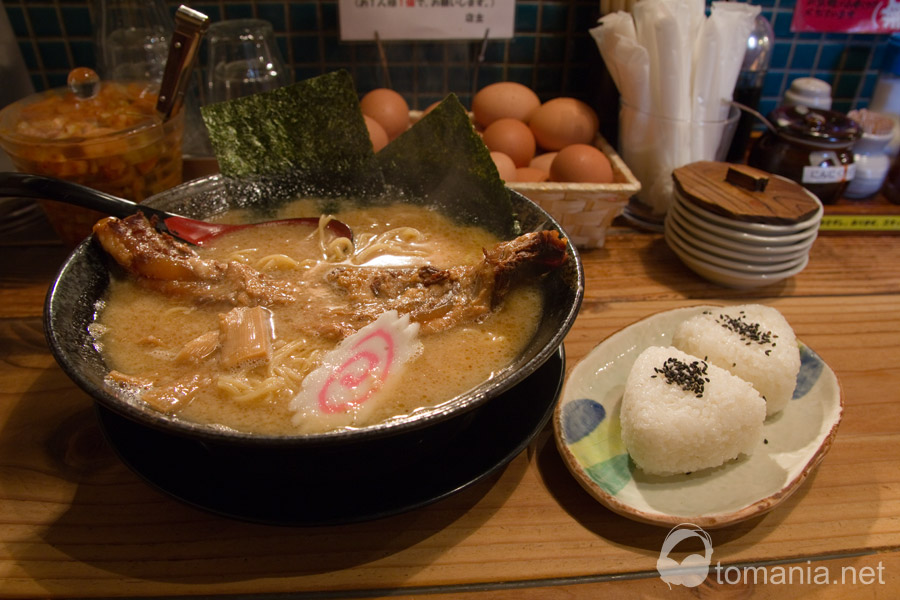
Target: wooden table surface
(74, 521)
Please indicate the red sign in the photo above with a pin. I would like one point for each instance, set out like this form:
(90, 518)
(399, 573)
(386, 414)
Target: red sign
(847, 16)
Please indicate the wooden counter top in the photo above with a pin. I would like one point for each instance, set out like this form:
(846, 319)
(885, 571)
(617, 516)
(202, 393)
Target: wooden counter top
(74, 521)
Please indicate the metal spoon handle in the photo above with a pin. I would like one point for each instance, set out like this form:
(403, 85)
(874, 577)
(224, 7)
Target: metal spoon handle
(756, 114)
(190, 25)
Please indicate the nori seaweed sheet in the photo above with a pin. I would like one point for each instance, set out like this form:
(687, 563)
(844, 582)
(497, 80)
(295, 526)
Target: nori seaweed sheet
(310, 139)
(441, 160)
(311, 131)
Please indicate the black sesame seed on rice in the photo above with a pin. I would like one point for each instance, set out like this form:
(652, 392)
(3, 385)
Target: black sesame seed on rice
(747, 332)
(690, 377)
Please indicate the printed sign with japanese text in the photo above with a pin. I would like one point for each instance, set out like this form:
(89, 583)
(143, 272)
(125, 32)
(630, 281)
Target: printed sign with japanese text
(846, 16)
(361, 20)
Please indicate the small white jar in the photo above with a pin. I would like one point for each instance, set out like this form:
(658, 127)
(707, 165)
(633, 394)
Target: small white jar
(872, 162)
(809, 91)
(871, 153)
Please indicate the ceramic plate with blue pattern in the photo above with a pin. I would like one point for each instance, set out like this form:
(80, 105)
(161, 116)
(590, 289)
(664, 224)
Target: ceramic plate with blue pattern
(588, 435)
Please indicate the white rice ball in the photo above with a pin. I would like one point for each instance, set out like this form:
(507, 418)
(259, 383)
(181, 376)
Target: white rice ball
(680, 414)
(753, 341)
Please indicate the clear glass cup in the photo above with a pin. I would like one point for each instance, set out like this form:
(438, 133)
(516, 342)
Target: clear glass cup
(132, 39)
(653, 146)
(243, 59)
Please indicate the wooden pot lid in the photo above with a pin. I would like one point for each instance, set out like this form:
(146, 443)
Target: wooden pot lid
(744, 193)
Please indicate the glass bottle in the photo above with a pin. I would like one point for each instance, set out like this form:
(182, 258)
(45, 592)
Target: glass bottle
(748, 90)
(886, 97)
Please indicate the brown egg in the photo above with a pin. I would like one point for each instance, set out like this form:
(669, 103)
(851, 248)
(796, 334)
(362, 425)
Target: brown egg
(505, 166)
(564, 121)
(511, 137)
(531, 175)
(543, 161)
(387, 107)
(504, 99)
(377, 133)
(581, 163)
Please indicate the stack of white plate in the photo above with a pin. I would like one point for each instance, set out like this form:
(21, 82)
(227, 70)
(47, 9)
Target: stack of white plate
(739, 253)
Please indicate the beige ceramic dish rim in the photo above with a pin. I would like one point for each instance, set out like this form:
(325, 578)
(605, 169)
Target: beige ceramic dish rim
(792, 240)
(741, 267)
(779, 239)
(749, 249)
(759, 228)
(673, 224)
(731, 278)
(709, 521)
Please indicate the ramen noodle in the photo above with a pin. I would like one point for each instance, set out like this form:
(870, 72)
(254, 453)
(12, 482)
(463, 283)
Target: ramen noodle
(239, 367)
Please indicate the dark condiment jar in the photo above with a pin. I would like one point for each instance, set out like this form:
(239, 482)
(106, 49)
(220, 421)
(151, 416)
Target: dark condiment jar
(811, 146)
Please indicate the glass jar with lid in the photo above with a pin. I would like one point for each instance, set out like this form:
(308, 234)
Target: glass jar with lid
(106, 135)
(810, 146)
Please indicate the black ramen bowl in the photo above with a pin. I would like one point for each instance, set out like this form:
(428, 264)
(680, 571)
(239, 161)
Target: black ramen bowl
(83, 279)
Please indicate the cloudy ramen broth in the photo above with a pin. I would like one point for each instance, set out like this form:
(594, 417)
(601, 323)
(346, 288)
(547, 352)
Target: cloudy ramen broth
(142, 334)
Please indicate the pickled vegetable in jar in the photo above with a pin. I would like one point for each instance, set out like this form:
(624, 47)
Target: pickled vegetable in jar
(106, 135)
(810, 146)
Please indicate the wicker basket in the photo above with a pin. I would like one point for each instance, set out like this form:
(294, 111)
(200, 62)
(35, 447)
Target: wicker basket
(585, 210)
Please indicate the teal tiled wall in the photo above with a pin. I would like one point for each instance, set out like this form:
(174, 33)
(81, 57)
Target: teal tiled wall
(552, 51)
